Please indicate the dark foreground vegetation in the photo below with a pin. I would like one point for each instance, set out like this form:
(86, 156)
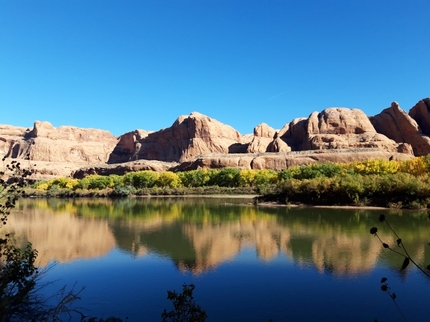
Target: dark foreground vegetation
(393, 184)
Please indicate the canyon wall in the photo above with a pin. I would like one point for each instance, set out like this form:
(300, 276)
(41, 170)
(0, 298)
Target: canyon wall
(198, 141)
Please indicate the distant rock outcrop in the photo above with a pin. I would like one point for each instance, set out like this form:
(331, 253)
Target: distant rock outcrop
(128, 147)
(279, 161)
(198, 141)
(421, 114)
(397, 125)
(188, 137)
(342, 128)
(263, 136)
(64, 144)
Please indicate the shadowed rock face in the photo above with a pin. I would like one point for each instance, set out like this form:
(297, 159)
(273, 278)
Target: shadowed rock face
(263, 137)
(397, 125)
(197, 140)
(421, 114)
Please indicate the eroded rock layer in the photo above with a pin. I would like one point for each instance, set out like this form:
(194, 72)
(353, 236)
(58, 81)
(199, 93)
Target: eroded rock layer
(198, 141)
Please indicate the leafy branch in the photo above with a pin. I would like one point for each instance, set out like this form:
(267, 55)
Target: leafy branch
(407, 259)
(392, 295)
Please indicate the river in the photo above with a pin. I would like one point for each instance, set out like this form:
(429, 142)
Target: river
(248, 263)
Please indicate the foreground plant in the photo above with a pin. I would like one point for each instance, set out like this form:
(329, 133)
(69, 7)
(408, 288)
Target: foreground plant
(385, 288)
(20, 298)
(403, 252)
(17, 266)
(407, 259)
(185, 308)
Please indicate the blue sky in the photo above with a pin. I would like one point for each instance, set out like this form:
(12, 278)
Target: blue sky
(125, 65)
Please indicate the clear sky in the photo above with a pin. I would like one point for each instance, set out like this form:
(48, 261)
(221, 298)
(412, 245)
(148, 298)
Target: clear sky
(139, 64)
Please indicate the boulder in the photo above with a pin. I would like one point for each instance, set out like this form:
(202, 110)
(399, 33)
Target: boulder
(263, 130)
(339, 121)
(278, 145)
(335, 128)
(263, 136)
(397, 125)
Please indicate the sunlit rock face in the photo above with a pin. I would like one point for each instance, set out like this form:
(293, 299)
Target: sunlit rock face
(198, 141)
(263, 136)
(128, 147)
(188, 137)
(397, 125)
(55, 152)
(280, 161)
(64, 144)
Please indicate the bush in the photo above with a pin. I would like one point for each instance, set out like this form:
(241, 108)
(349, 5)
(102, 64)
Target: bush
(144, 179)
(375, 166)
(168, 179)
(227, 177)
(311, 171)
(96, 182)
(247, 178)
(194, 178)
(416, 166)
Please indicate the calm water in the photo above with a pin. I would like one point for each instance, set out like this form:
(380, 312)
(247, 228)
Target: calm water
(248, 263)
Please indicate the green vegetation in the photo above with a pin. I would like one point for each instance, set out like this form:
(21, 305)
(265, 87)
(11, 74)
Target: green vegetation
(394, 184)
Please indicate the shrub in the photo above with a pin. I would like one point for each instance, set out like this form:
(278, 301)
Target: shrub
(247, 178)
(168, 179)
(375, 166)
(227, 177)
(265, 177)
(144, 179)
(194, 178)
(311, 171)
(95, 182)
(416, 166)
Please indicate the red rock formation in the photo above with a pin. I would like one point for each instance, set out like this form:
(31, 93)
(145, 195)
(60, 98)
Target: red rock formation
(336, 128)
(263, 136)
(187, 138)
(64, 144)
(200, 141)
(397, 125)
(279, 161)
(127, 147)
(421, 114)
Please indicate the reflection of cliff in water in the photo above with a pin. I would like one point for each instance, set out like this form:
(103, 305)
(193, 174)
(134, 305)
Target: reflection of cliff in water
(60, 235)
(199, 235)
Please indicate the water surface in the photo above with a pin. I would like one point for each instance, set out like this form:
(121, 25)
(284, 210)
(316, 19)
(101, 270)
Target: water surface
(248, 263)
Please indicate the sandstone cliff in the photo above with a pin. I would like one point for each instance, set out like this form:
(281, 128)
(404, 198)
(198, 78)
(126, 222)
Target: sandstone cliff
(396, 124)
(197, 141)
(188, 137)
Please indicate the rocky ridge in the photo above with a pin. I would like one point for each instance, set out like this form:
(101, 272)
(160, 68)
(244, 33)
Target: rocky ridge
(198, 141)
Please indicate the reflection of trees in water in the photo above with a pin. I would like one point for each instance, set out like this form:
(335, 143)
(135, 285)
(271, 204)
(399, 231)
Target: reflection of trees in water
(200, 234)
